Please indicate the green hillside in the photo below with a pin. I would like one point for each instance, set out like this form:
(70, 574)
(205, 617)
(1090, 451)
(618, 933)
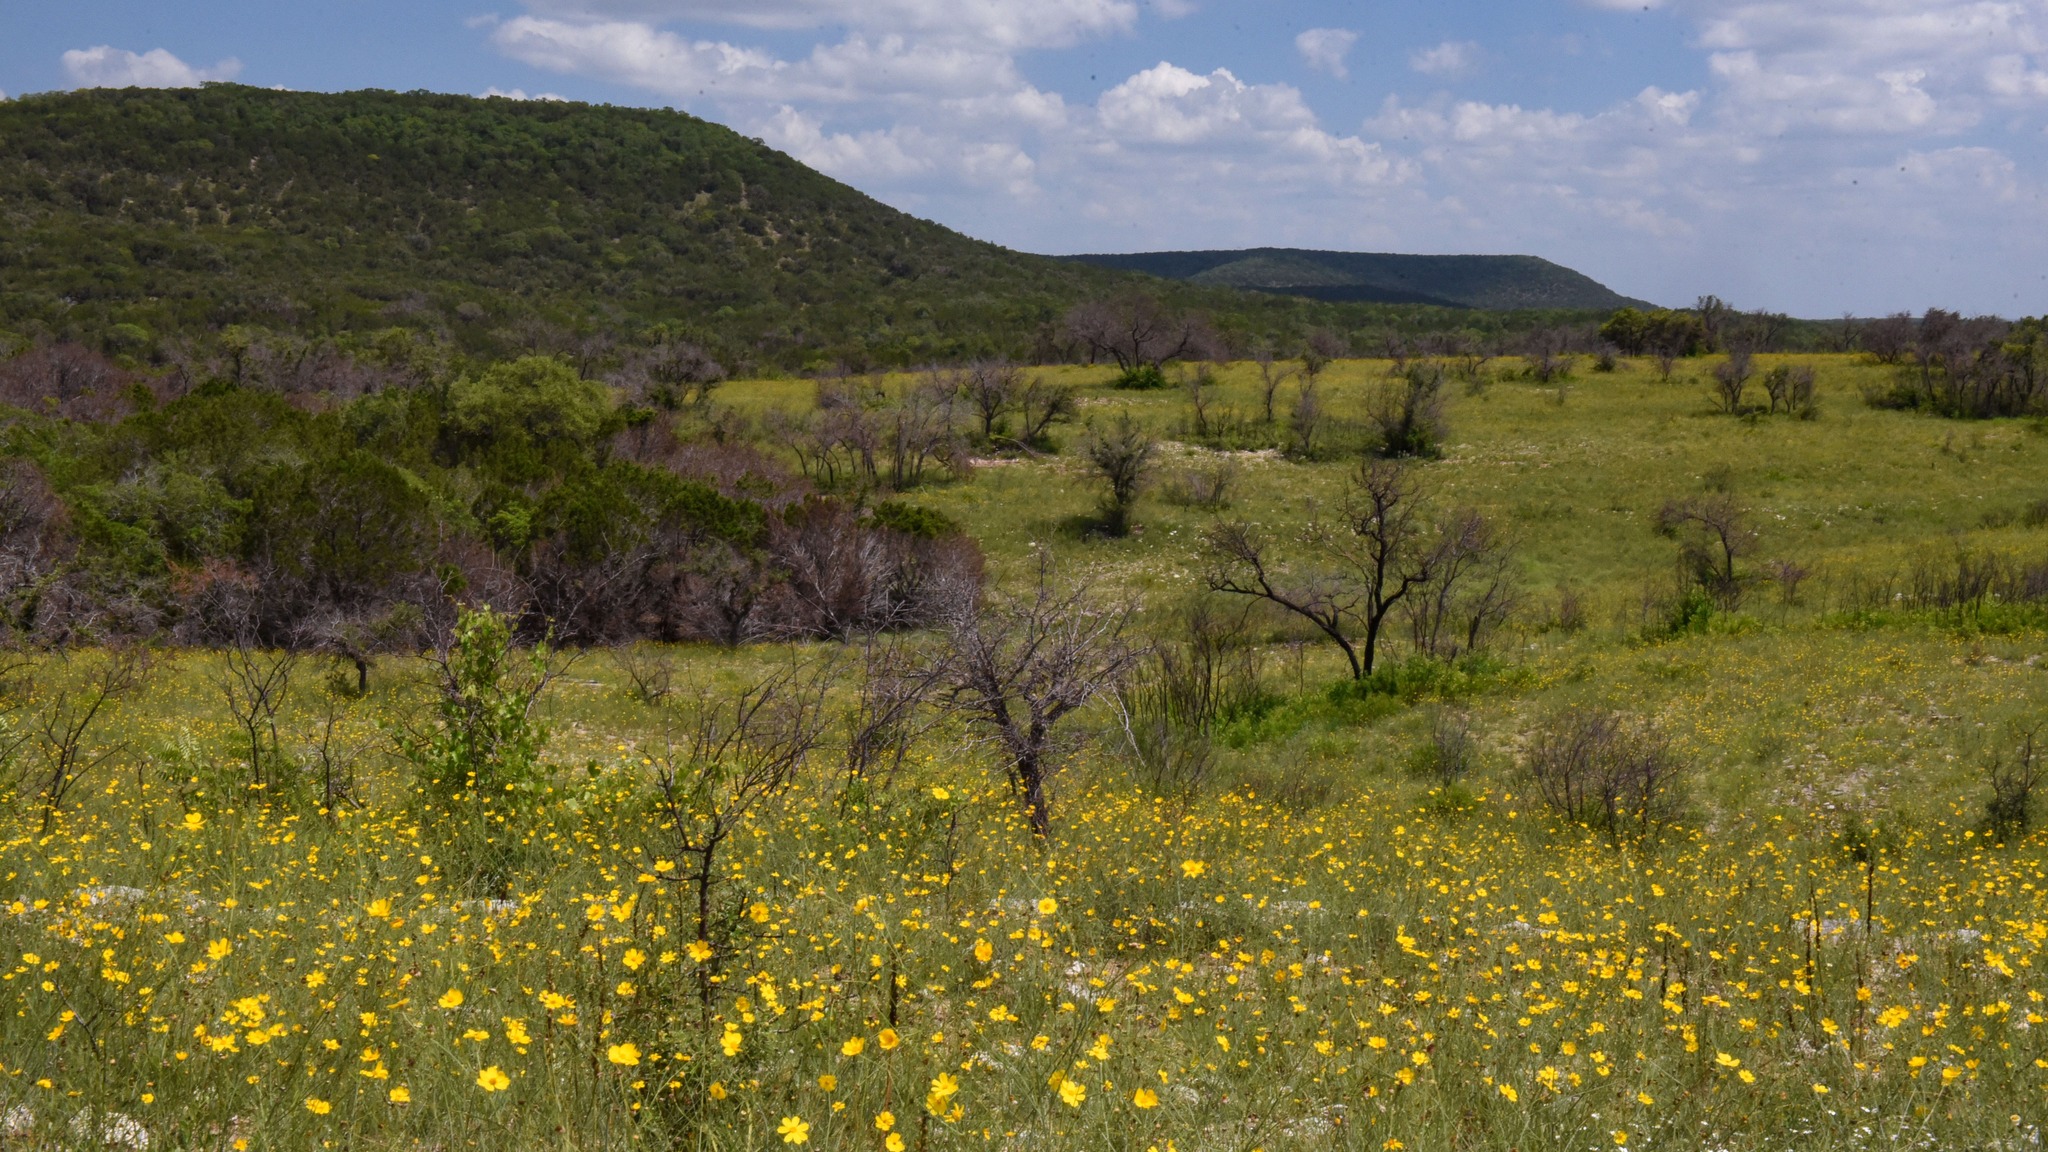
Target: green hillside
(136, 219)
(1484, 282)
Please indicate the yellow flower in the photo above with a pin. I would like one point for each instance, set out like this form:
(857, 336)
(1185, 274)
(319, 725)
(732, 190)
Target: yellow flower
(379, 908)
(169, 938)
(894, 1143)
(828, 1082)
(194, 822)
(399, 1095)
(493, 1079)
(793, 1130)
(1072, 1093)
(1508, 1090)
(218, 950)
(1748, 1077)
(1145, 1098)
(941, 794)
(945, 1086)
(1620, 1137)
(451, 999)
(1894, 1016)
(699, 950)
(1644, 1099)
(854, 1047)
(885, 1121)
(624, 1055)
(1726, 1061)
(633, 959)
(317, 1106)
(731, 1041)
(717, 1090)
(1047, 906)
(1192, 868)
(888, 1039)
(1820, 1089)
(983, 951)
(515, 1031)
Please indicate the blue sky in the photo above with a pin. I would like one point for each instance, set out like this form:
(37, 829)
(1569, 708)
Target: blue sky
(1815, 156)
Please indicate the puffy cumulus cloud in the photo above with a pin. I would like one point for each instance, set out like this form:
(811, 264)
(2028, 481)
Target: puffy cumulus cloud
(1450, 58)
(108, 67)
(1262, 125)
(999, 24)
(1326, 49)
(856, 70)
(1872, 67)
(1820, 148)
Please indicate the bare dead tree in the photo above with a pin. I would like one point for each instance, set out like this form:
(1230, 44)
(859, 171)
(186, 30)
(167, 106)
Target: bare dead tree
(649, 668)
(1200, 387)
(2014, 778)
(992, 388)
(1022, 666)
(897, 680)
(1790, 389)
(1731, 380)
(1408, 413)
(1122, 457)
(1170, 706)
(1476, 591)
(721, 757)
(64, 722)
(921, 427)
(333, 758)
(1207, 485)
(1714, 314)
(682, 373)
(1714, 534)
(34, 544)
(1889, 339)
(726, 590)
(256, 682)
(1547, 356)
(1271, 377)
(1040, 405)
(1374, 554)
(1136, 331)
(1594, 766)
(1306, 420)
(17, 691)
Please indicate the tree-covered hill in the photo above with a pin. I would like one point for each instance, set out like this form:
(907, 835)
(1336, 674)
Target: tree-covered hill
(132, 219)
(1484, 282)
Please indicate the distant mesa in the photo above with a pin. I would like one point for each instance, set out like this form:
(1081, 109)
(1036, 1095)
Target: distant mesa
(1492, 283)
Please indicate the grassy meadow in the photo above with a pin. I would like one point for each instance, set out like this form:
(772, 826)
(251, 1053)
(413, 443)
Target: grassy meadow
(1316, 949)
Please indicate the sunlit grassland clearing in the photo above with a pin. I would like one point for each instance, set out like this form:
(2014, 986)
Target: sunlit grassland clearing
(1317, 949)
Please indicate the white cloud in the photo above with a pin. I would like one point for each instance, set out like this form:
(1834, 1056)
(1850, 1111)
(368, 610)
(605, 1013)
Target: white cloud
(1326, 49)
(1450, 58)
(997, 24)
(857, 69)
(519, 94)
(1820, 155)
(109, 67)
